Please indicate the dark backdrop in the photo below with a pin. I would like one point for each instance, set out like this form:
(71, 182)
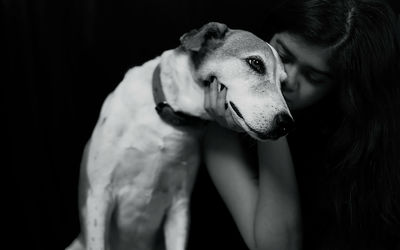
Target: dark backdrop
(60, 60)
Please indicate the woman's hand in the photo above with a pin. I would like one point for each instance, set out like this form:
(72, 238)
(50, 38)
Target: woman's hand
(216, 106)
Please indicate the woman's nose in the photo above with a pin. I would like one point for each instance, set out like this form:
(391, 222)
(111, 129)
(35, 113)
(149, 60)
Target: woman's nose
(290, 84)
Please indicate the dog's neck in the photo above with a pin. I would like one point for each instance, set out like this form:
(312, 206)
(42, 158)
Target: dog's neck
(179, 87)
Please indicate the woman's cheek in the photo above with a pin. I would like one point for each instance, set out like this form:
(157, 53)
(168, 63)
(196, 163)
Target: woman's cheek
(307, 96)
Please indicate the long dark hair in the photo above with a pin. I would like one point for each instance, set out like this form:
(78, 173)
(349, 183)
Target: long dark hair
(364, 157)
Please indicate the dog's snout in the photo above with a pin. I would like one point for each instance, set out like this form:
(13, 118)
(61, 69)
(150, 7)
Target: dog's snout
(283, 124)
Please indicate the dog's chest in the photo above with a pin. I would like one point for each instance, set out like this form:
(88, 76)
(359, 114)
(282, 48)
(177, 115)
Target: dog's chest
(156, 160)
(153, 161)
(149, 152)
(147, 180)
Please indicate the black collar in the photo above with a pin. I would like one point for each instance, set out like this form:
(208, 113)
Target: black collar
(165, 111)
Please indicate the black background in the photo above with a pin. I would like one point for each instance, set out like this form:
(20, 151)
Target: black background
(60, 60)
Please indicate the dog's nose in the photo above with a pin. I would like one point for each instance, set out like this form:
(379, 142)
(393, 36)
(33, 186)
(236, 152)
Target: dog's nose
(283, 124)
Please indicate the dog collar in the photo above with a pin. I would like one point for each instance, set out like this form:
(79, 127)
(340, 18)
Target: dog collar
(165, 111)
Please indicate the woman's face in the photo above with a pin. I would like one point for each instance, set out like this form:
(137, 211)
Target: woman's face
(308, 75)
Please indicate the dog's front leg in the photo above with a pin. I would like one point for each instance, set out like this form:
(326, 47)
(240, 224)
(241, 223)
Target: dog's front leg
(177, 224)
(98, 215)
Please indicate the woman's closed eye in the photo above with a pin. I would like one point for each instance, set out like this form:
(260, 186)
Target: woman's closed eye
(313, 78)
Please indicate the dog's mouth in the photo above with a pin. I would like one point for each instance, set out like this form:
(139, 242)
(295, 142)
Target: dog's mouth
(241, 122)
(239, 119)
(236, 110)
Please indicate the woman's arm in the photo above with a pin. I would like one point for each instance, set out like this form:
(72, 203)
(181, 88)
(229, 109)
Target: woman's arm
(234, 180)
(266, 210)
(277, 217)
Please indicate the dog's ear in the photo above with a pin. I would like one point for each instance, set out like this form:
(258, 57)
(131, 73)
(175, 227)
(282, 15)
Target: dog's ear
(211, 33)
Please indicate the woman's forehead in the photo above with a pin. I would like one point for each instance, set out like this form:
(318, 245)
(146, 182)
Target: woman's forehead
(306, 54)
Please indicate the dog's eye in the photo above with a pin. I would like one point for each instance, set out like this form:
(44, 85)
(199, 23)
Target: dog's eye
(256, 64)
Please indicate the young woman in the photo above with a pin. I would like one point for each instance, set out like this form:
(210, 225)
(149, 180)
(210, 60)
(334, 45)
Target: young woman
(334, 182)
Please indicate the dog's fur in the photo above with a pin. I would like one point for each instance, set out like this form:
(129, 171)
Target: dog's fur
(137, 170)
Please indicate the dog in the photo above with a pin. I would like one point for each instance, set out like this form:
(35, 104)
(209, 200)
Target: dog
(139, 166)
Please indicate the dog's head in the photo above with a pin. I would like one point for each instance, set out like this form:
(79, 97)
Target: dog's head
(252, 72)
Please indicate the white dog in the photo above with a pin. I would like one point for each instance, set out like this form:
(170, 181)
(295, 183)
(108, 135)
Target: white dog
(139, 166)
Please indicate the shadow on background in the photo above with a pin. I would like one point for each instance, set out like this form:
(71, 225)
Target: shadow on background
(61, 60)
